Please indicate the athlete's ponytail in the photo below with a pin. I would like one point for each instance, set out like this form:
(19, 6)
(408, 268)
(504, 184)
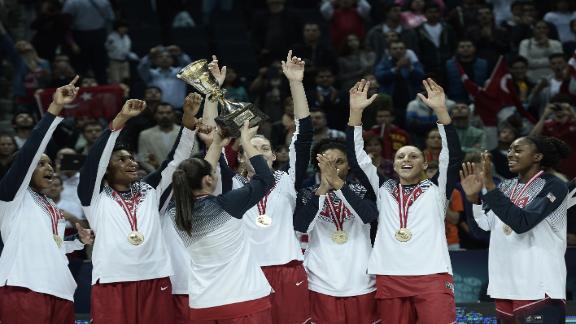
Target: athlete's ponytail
(552, 149)
(186, 179)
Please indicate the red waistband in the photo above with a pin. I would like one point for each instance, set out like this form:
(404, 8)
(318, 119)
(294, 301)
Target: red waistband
(231, 310)
(293, 263)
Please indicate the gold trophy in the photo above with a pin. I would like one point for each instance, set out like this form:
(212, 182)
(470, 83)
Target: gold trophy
(233, 114)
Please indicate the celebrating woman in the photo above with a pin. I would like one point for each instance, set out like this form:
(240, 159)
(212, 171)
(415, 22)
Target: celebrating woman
(526, 216)
(36, 285)
(130, 281)
(225, 281)
(410, 257)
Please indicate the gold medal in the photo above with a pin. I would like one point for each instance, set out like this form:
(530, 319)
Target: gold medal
(263, 220)
(340, 237)
(507, 229)
(135, 238)
(58, 240)
(403, 235)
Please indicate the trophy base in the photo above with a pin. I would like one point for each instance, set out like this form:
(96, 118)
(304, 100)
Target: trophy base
(231, 124)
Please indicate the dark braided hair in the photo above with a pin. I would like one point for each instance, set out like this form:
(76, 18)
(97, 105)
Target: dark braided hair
(324, 145)
(552, 149)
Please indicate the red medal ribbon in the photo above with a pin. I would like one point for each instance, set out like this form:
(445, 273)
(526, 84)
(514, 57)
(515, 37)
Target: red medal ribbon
(264, 201)
(55, 214)
(404, 203)
(337, 216)
(129, 208)
(516, 198)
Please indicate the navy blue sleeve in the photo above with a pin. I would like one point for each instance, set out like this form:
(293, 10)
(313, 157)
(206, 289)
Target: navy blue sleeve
(302, 146)
(226, 174)
(448, 175)
(88, 183)
(13, 180)
(238, 201)
(522, 220)
(153, 179)
(365, 208)
(307, 205)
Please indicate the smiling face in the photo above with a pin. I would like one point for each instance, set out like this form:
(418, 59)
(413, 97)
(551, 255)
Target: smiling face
(43, 174)
(409, 164)
(122, 169)
(522, 155)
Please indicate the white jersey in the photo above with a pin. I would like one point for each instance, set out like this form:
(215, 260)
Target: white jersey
(527, 239)
(427, 251)
(179, 257)
(31, 258)
(278, 243)
(337, 269)
(114, 258)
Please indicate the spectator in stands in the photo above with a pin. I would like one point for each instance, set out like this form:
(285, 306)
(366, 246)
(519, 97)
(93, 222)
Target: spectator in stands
(519, 72)
(436, 42)
(374, 146)
(270, 88)
(90, 20)
(88, 81)
(491, 41)
(22, 122)
(413, 17)
(130, 133)
(399, 77)
(466, 60)
(452, 220)
(558, 82)
(472, 139)
(91, 131)
(313, 51)
(559, 120)
(7, 149)
(30, 71)
(376, 37)
(420, 120)
(561, 18)
(54, 192)
(327, 98)
(52, 28)
(233, 86)
(275, 30)
(537, 50)
(433, 145)
(154, 143)
(346, 17)
(282, 130)
(62, 71)
(119, 47)
(506, 135)
(320, 125)
(570, 46)
(515, 19)
(208, 6)
(68, 197)
(156, 69)
(354, 61)
(463, 15)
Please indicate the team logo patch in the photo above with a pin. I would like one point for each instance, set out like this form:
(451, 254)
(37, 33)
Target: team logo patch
(551, 197)
(534, 319)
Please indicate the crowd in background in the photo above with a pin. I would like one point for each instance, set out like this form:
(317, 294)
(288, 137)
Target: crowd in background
(393, 43)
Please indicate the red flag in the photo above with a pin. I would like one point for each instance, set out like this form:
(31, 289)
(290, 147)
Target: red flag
(499, 92)
(98, 102)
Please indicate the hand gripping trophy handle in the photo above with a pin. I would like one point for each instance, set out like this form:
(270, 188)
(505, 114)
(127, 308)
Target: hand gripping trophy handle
(233, 114)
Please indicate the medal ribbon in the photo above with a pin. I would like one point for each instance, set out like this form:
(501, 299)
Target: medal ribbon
(129, 209)
(337, 217)
(264, 201)
(516, 198)
(404, 204)
(55, 214)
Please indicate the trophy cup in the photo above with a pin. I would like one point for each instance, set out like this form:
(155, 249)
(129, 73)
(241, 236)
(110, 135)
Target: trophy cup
(233, 114)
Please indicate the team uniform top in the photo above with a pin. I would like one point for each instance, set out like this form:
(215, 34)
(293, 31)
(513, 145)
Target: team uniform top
(223, 267)
(28, 222)
(179, 256)
(528, 238)
(277, 243)
(114, 258)
(337, 269)
(427, 251)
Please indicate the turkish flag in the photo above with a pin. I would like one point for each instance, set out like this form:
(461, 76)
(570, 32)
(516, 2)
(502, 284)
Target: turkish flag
(98, 102)
(498, 93)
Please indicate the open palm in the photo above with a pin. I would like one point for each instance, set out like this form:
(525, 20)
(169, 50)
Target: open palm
(435, 97)
(217, 72)
(359, 96)
(293, 67)
(471, 179)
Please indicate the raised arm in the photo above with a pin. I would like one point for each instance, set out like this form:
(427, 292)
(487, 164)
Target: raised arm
(94, 168)
(360, 162)
(451, 154)
(161, 179)
(299, 150)
(211, 107)
(18, 177)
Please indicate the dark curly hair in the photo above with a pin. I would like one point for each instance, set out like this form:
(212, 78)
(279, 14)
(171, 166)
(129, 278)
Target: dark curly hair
(552, 149)
(324, 145)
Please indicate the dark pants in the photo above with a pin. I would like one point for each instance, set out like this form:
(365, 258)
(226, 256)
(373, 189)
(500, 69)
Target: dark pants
(93, 55)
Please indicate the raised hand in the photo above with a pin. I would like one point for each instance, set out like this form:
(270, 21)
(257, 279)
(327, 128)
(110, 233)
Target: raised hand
(63, 96)
(487, 171)
(293, 67)
(86, 234)
(472, 181)
(191, 108)
(217, 72)
(359, 96)
(246, 135)
(132, 108)
(435, 99)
